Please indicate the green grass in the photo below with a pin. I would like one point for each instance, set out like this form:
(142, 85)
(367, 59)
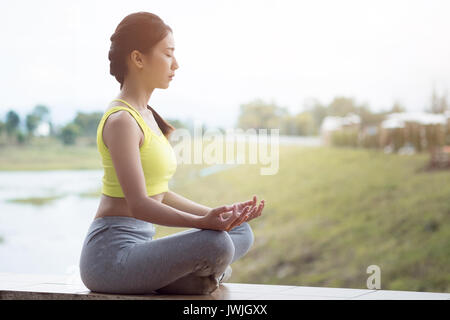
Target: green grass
(330, 213)
(49, 157)
(36, 201)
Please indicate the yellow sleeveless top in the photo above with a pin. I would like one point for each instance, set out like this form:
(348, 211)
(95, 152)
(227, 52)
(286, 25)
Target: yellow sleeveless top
(157, 156)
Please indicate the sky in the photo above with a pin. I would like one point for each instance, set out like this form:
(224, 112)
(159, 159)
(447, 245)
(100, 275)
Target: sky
(229, 53)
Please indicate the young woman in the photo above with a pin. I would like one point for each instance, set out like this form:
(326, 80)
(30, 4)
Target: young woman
(119, 254)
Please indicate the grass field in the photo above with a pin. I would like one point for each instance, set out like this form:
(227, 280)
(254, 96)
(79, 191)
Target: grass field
(330, 213)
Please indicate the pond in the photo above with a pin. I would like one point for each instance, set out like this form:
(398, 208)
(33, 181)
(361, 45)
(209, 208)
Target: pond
(44, 216)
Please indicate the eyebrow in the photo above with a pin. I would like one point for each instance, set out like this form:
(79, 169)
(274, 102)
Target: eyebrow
(171, 48)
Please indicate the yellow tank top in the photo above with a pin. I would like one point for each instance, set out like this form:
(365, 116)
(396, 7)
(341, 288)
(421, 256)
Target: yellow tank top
(157, 156)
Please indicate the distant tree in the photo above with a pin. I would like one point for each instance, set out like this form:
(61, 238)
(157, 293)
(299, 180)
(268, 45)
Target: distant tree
(12, 122)
(87, 123)
(289, 125)
(260, 115)
(42, 112)
(20, 137)
(32, 121)
(318, 112)
(177, 123)
(438, 104)
(304, 122)
(341, 106)
(368, 118)
(397, 107)
(69, 133)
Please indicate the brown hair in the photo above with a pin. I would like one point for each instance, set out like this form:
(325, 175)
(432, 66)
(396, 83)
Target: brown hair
(137, 31)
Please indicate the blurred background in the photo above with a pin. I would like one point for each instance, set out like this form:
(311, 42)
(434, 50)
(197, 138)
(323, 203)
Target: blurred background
(358, 90)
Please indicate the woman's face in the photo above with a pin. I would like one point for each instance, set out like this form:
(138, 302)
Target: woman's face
(157, 66)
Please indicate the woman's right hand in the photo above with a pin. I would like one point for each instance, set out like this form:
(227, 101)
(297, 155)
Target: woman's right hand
(215, 221)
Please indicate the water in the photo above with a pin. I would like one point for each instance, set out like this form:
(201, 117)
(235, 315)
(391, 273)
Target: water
(45, 238)
(215, 168)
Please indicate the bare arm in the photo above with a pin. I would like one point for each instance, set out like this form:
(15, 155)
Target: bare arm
(181, 203)
(163, 214)
(121, 135)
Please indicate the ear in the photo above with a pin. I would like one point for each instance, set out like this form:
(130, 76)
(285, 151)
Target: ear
(137, 59)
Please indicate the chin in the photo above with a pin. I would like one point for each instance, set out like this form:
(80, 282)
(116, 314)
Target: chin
(163, 86)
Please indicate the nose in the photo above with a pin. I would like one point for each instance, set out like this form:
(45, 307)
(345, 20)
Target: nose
(175, 64)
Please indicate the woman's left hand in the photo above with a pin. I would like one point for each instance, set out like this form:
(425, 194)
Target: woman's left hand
(247, 211)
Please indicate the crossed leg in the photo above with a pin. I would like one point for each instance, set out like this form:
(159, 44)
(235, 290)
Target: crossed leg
(187, 262)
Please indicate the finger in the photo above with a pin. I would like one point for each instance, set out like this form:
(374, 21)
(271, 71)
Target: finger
(260, 209)
(225, 208)
(257, 211)
(222, 209)
(251, 213)
(252, 202)
(245, 203)
(241, 218)
(234, 215)
(245, 215)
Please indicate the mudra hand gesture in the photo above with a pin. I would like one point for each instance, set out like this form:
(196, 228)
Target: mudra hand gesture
(229, 216)
(245, 211)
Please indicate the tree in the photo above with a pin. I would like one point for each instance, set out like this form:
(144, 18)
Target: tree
(12, 122)
(20, 137)
(69, 133)
(2, 129)
(260, 115)
(41, 112)
(177, 123)
(397, 108)
(318, 112)
(305, 123)
(88, 123)
(438, 104)
(341, 106)
(32, 121)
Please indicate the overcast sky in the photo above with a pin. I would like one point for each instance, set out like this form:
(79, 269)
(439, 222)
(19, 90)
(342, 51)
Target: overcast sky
(230, 52)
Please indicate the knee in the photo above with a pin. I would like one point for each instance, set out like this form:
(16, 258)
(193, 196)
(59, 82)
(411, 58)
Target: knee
(248, 234)
(220, 246)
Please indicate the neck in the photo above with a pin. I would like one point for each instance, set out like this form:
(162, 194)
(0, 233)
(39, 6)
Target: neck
(135, 95)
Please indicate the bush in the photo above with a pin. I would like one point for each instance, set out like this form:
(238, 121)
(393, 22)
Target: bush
(342, 138)
(69, 133)
(370, 141)
(20, 136)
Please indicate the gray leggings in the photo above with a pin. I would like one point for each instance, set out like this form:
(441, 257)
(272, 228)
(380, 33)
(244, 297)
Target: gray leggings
(119, 255)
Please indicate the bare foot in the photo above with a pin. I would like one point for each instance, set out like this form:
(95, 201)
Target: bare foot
(191, 284)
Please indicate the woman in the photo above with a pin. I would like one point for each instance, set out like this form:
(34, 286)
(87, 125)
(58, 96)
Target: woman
(119, 254)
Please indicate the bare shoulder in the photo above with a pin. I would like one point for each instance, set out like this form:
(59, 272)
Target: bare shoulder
(121, 123)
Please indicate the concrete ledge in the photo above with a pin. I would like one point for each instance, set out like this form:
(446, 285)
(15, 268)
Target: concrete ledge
(60, 287)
